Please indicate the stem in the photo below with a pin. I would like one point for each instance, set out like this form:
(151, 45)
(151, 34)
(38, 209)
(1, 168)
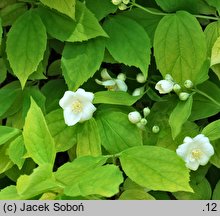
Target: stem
(163, 14)
(207, 96)
(147, 10)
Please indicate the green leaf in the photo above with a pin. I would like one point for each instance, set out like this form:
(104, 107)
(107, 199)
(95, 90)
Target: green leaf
(88, 139)
(80, 61)
(85, 26)
(12, 12)
(16, 151)
(40, 181)
(1, 30)
(58, 87)
(66, 7)
(214, 3)
(26, 44)
(119, 98)
(80, 166)
(202, 191)
(134, 194)
(128, 43)
(8, 95)
(212, 130)
(215, 159)
(179, 116)
(189, 5)
(117, 132)
(3, 69)
(10, 193)
(103, 181)
(63, 135)
(207, 104)
(180, 47)
(212, 32)
(155, 168)
(106, 8)
(216, 192)
(6, 162)
(215, 62)
(148, 21)
(37, 138)
(7, 133)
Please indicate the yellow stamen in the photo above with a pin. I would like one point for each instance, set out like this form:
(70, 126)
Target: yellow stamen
(77, 106)
(196, 153)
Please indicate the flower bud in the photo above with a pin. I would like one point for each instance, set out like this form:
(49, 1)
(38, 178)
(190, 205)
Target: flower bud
(164, 86)
(140, 78)
(138, 91)
(116, 2)
(105, 75)
(155, 129)
(140, 125)
(134, 117)
(184, 96)
(122, 6)
(176, 88)
(168, 77)
(121, 76)
(143, 121)
(146, 111)
(188, 84)
(126, 1)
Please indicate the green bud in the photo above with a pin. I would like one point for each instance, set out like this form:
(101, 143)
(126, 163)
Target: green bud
(155, 129)
(116, 2)
(122, 6)
(146, 111)
(176, 88)
(140, 78)
(126, 1)
(184, 96)
(121, 76)
(188, 84)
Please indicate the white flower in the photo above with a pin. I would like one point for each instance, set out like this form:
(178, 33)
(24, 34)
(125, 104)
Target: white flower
(164, 86)
(110, 83)
(77, 106)
(134, 117)
(196, 151)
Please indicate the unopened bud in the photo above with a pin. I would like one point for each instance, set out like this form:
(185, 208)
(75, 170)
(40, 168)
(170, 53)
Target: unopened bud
(116, 2)
(176, 88)
(146, 111)
(143, 121)
(121, 76)
(168, 77)
(122, 6)
(140, 78)
(188, 84)
(126, 1)
(184, 96)
(138, 91)
(134, 117)
(155, 129)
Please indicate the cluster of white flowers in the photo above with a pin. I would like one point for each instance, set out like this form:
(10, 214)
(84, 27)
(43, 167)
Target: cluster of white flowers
(113, 84)
(77, 106)
(168, 84)
(136, 118)
(122, 4)
(195, 151)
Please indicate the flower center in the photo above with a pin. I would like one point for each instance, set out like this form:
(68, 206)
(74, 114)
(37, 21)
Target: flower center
(77, 106)
(196, 153)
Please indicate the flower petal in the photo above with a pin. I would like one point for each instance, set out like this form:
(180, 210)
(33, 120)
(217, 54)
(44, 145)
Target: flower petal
(183, 150)
(67, 99)
(70, 117)
(82, 95)
(187, 140)
(208, 149)
(204, 159)
(88, 110)
(192, 165)
(121, 85)
(108, 83)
